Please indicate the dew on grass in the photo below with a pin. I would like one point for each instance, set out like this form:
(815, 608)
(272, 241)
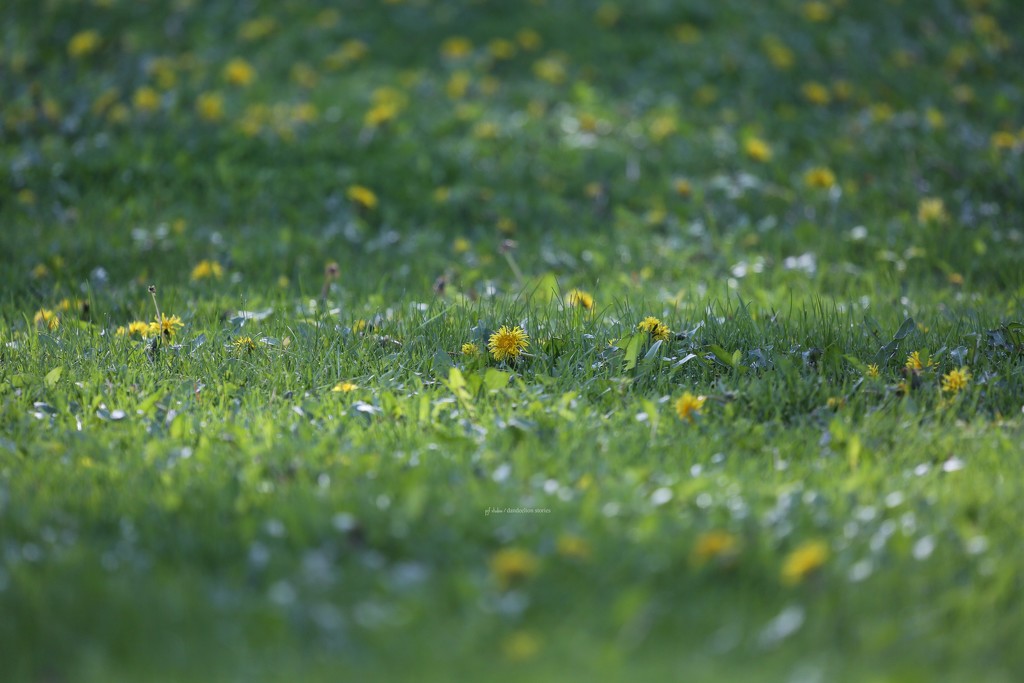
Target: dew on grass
(282, 593)
(976, 545)
(923, 548)
(954, 464)
(661, 496)
(861, 571)
(784, 625)
(894, 499)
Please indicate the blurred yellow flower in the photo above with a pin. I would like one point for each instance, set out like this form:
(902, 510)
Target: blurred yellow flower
(239, 72)
(470, 349)
(146, 99)
(931, 210)
(804, 560)
(689, 406)
(243, 344)
(457, 85)
(1003, 140)
(210, 106)
(917, 364)
(206, 269)
(138, 327)
(688, 34)
(512, 565)
(83, 44)
(580, 298)
(778, 53)
(872, 371)
(573, 547)
(520, 646)
(528, 39)
(757, 149)
(816, 11)
(456, 47)
(344, 387)
(550, 69)
(955, 381)
(502, 48)
(662, 126)
(816, 93)
(257, 28)
(166, 326)
(820, 177)
(363, 196)
(461, 245)
(714, 545)
(44, 317)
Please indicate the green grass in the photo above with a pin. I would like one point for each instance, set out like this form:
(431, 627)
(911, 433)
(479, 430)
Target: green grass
(199, 508)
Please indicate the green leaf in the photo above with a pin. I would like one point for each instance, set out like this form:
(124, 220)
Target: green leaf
(721, 355)
(906, 328)
(495, 380)
(53, 376)
(633, 350)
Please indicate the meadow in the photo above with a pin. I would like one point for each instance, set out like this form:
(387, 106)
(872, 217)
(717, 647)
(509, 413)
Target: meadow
(549, 340)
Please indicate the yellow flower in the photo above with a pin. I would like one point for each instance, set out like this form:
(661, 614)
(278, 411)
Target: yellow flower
(239, 72)
(363, 196)
(243, 344)
(379, 114)
(461, 245)
(1003, 140)
(344, 387)
(804, 560)
(580, 298)
(501, 48)
(456, 47)
(206, 269)
(931, 210)
(683, 187)
(816, 93)
(778, 53)
(820, 177)
(349, 52)
(872, 371)
(663, 126)
(654, 327)
(457, 85)
(470, 349)
(146, 99)
(520, 646)
(165, 326)
(257, 28)
(715, 545)
(757, 149)
(508, 343)
(44, 317)
(512, 565)
(550, 69)
(689, 406)
(83, 44)
(528, 39)
(915, 363)
(816, 11)
(835, 402)
(955, 380)
(139, 327)
(573, 547)
(210, 106)
(688, 34)
(40, 271)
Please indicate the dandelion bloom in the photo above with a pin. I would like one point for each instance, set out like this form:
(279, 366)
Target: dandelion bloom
(820, 177)
(757, 149)
(872, 371)
(520, 646)
(508, 343)
(146, 99)
(470, 349)
(138, 327)
(239, 72)
(83, 44)
(816, 93)
(804, 560)
(244, 344)
(344, 387)
(511, 565)
(206, 269)
(573, 547)
(931, 209)
(915, 363)
(580, 298)
(955, 380)
(654, 327)
(210, 106)
(166, 326)
(363, 196)
(689, 406)
(456, 47)
(44, 317)
(714, 545)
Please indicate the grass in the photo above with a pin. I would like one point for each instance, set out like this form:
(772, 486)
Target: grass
(312, 478)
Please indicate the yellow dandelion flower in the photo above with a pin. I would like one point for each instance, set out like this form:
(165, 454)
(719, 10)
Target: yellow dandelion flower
(688, 406)
(508, 343)
(820, 177)
(210, 106)
(344, 387)
(206, 269)
(138, 327)
(715, 545)
(580, 298)
(146, 99)
(363, 196)
(83, 44)
(245, 344)
(654, 327)
(573, 547)
(470, 349)
(257, 28)
(502, 48)
(954, 381)
(458, 85)
(550, 69)
(687, 34)
(778, 53)
(44, 317)
(804, 560)
(757, 149)
(520, 646)
(328, 18)
(166, 326)
(380, 114)
(931, 210)
(835, 402)
(683, 187)
(239, 72)
(816, 11)
(456, 47)
(121, 331)
(663, 126)
(1003, 140)
(872, 371)
(359, 326)
(512, 565)
(816, 93)
(40, 271)
(461, 245)
(956, 279)
(528, 39)
(916, 363)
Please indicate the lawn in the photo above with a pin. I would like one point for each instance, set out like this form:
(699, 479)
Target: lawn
(484, 340)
